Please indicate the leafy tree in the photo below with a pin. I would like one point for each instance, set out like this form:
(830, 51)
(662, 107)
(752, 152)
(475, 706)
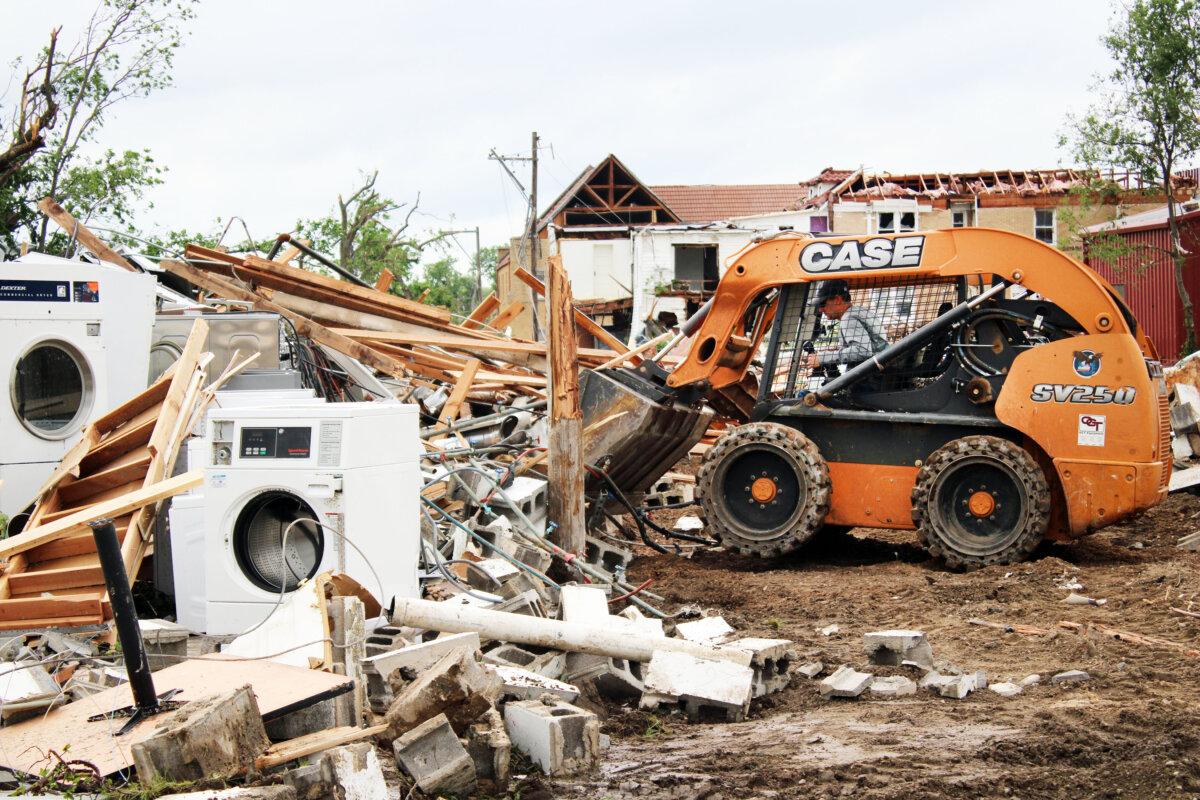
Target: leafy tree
(1147, 117)
(125, 51)
(369, 232)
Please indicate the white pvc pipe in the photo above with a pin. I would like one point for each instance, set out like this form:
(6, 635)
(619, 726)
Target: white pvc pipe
(574, 637)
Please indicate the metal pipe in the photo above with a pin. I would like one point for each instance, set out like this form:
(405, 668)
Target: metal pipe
(614, 640)
(879, 361)
(277, 245)
(323, 259)
(129, 632)
(475, 422)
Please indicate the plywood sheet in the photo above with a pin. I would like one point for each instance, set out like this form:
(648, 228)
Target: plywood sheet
(280, 689)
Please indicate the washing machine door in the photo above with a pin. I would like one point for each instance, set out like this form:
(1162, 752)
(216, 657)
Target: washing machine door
(276, 541)
(52, 387)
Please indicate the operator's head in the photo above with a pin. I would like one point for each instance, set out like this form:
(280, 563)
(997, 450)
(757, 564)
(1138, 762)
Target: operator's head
(833, 298)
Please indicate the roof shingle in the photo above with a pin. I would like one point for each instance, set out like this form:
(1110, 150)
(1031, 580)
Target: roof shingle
(708, 203)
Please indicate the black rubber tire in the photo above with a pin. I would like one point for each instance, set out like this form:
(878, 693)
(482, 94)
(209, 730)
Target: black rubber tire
(946, 537)
(796, 457)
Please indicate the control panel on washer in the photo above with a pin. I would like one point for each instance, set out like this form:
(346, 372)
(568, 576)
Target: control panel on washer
(291, 442)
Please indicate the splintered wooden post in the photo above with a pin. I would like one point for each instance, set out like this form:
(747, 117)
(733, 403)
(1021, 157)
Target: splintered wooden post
(566, 416)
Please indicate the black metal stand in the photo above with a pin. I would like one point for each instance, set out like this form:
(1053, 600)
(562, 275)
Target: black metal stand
(146, 702)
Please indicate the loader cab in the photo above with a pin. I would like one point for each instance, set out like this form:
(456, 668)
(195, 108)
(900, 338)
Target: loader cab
(958, 370)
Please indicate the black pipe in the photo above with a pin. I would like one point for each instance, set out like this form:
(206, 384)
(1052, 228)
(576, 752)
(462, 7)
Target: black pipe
(912, 341)
(323, 259)
(129, 633)
(277, 245)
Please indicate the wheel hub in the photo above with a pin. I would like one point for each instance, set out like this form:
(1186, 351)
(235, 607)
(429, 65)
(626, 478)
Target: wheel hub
(763, 490)
(981, 504)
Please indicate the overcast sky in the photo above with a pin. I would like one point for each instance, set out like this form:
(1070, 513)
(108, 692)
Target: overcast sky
(276, 106)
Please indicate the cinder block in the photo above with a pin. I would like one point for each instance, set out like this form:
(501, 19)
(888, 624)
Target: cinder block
(772, 661)
(606, 556)
(584, 604)
(704, 688)
(616, 678)
(422, 656)
(432, 755)
(509, 655)
(457, 686)
(709, 630)
(490, 749)
(211, 737)
(896, 647)
(522, 684)
(357, 772)
(560, 738)
(845, 682)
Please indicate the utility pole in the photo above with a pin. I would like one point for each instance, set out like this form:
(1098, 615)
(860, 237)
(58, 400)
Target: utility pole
(531, 199)
(478, 270)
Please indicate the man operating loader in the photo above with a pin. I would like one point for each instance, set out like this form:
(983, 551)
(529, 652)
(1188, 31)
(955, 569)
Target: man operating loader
(858, 336)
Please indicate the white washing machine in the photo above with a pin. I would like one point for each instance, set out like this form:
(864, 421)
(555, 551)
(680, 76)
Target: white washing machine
(74, 343)
(353, 467)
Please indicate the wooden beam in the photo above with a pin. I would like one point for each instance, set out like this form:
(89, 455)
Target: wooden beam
(581, 319)
(304, 326)
(301, 746)
(135, 405)
(507, 315)
(79, 231)
(49, 607)
(482, 311)
(565, 489)
(50, 580)
(458, 395)
(452, 342)
(105, 479)
(181, 382)
(131, 501)
(384, 282)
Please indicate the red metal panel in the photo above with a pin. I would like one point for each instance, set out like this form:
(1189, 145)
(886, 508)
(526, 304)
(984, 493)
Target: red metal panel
(1147, 276)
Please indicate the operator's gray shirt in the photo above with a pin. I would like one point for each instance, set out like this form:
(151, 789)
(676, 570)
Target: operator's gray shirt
(860, 339)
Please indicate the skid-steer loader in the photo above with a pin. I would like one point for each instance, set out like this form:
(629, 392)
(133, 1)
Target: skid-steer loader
(987, 390)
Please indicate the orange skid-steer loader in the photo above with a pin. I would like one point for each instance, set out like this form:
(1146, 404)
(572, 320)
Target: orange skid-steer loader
(978, 386)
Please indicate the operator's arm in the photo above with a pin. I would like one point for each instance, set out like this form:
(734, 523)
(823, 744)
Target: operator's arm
(856, 343)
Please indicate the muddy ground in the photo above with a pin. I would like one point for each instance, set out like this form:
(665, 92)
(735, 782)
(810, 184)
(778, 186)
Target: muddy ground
(1132, 731)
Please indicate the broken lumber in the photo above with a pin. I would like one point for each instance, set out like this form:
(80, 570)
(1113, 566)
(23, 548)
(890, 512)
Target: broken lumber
(283, 752)
(566, 418)
(77, 230)
(582, 320)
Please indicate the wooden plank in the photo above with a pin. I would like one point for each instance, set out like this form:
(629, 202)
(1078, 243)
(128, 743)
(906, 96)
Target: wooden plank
(565, 489)
(51, 622)
(507, 315)
(126, 440)
(453, 405)
(68, 546)
(302, 277)
(79, 231)
(48, 608)
(581, 319)
(49, 580)
(105, 479)
(384, 282)
(315, 742)
(452, 342)
(131, 408)
(30, 538)
(482, 311)
(641, 349)
(304, 326)
(108, 494)
(181, 383)
(68, 466)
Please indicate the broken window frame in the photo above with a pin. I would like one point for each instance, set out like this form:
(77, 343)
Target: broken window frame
(896, 224)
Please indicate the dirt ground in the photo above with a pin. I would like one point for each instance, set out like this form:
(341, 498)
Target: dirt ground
(1132, 731)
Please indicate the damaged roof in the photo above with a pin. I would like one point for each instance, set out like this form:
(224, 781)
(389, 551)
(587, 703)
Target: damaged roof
(711, 202)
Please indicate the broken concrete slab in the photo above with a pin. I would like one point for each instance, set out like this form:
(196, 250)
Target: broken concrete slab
(700, 685)
(356, 772)
(710, 630)
(212, 737)
(432, 755)
(1031, 680)
(893, 686)
(811, 669)
(586, 604)
(523, 684)
(894, 648)
(771, 660)
(1070, 676)
(456, 685)
(422, 656)
(560, 738)
(490, 749)
(1005, 688)
(314, 781)
(953, 686)
(845, 682)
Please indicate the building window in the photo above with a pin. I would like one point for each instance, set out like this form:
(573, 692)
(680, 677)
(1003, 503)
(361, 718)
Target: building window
(818, 224)
(696, 268)
(962, 217)
(1043, 225)
(897, 221)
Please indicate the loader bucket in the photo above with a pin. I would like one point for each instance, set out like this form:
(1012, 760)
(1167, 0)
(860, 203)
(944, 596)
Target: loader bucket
(642, 431)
